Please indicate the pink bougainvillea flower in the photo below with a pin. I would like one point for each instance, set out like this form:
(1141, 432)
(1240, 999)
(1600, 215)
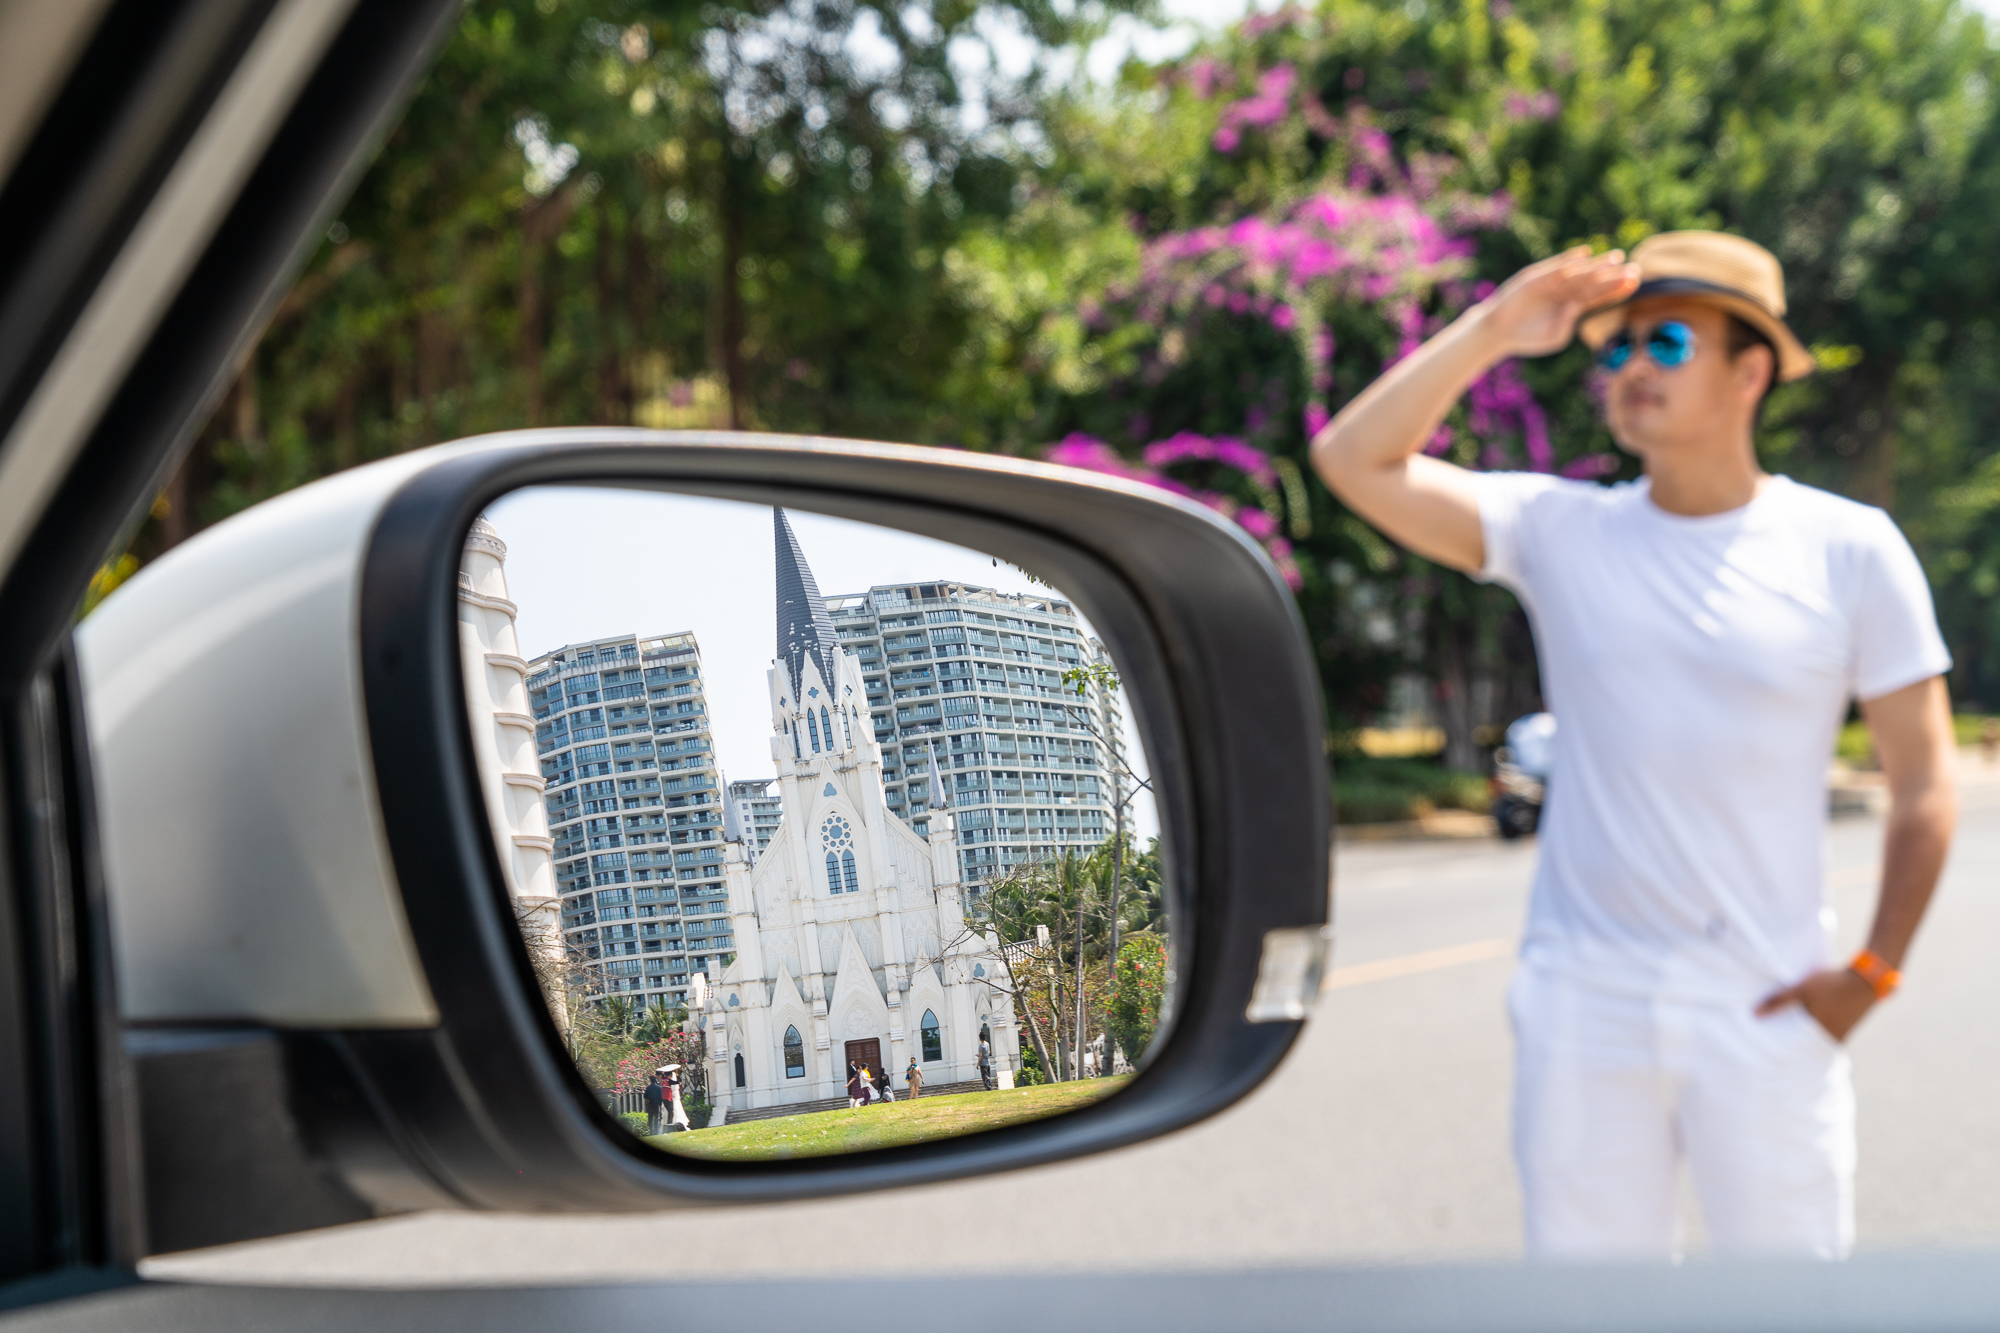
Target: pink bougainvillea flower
(1206, 77)
(1257, 523)
(1271, 103)
(1088, 452)
(1543, 105)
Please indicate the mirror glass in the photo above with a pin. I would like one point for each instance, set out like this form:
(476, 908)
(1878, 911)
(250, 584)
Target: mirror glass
(813, 827)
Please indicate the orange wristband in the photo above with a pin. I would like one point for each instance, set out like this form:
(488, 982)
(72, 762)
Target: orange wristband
(1871, 968)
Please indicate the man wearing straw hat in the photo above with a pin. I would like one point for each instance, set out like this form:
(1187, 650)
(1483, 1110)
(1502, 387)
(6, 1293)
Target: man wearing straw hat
(1701, 633)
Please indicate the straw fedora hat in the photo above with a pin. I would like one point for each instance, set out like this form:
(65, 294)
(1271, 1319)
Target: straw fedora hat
(1740, 276)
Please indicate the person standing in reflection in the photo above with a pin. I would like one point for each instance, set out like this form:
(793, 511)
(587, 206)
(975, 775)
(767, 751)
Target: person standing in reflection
(884, 1086)
(913, 1078)
(985, 1062)
(655, 1095)
(676, 1104)
(855, 1097)
(1701, 632)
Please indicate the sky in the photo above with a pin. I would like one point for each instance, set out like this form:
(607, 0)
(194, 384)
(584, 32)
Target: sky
(589, 563)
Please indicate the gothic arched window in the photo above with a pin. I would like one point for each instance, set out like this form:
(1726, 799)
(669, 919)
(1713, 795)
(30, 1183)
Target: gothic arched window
(838, 841)
(826, 725)
(740, 1080)
(795, 1054)
(933, 1038)
(812, 725)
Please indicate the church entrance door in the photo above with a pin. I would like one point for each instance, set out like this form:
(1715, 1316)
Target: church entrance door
(867, 1054)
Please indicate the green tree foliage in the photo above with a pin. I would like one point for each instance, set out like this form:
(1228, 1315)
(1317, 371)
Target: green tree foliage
(610, 211)
(1854, 139)
(1054, 918)
(724, 214)
(1136, 993)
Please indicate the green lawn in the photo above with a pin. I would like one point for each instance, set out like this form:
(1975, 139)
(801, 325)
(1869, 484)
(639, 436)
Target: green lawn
(884, 1125)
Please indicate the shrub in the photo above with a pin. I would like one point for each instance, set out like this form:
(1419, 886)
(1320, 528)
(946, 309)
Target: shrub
(1031, 1072)
(1135, 1002)
(633, 1120)
(1377, 791)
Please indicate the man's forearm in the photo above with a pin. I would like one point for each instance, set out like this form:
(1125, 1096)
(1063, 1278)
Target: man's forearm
(1912, 732)
(1368, 455)
(1397, 415)
(1913, 852)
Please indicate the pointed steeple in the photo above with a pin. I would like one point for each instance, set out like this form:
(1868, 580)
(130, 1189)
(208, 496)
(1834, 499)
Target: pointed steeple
(805, 630)
(732, 821)
(940, 797)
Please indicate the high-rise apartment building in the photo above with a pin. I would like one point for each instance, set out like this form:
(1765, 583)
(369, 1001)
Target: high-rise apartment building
(760, 811)
(635, 808)
(974, 677)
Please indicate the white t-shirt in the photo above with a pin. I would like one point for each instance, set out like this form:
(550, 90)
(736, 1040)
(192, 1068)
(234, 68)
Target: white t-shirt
(1698, 669)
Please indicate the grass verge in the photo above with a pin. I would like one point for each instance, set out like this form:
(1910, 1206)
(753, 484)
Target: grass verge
(884, 1125)
(1856, 748)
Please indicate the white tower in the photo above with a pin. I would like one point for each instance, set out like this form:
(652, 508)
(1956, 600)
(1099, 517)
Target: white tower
(503, 736)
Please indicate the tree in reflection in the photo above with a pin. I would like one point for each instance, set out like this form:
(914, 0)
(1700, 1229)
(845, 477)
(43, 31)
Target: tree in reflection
(602, 1037)
(1056, 918)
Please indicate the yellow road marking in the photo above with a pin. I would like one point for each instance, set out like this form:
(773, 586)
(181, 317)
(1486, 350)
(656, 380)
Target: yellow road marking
(1410, 964)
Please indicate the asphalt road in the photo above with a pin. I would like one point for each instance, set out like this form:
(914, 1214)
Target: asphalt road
(1383, 1138)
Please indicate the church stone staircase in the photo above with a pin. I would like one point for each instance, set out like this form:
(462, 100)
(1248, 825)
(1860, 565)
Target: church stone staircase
(840, 1103)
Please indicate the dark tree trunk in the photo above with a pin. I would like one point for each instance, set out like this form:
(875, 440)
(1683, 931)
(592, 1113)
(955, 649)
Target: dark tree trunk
(639, 295)
(727, 351)
(613, 402)
(532, 332)
(1455, 694)
(1882, 486)
(346, 443)
(541, 221)
(433, 366)
(246, 418)
(176, 502)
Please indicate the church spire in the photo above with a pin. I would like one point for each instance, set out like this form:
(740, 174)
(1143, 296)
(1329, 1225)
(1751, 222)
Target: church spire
(940, 795)
(804, 628)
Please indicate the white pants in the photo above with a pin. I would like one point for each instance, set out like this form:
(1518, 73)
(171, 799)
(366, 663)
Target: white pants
(1613, 1093)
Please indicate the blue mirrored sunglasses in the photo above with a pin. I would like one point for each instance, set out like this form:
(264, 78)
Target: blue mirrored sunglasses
(1671, 345)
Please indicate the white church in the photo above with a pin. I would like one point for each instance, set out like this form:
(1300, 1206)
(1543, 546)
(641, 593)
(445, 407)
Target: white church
(851, 939)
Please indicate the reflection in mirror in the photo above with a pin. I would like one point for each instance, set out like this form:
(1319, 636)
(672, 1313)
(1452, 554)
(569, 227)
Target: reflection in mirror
(810, 873)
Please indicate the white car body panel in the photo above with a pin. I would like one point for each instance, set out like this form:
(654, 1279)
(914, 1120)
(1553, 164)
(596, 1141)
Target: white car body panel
(250, 882)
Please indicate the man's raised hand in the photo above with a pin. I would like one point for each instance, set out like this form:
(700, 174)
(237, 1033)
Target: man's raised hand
(1371, 453)
(1534, 313)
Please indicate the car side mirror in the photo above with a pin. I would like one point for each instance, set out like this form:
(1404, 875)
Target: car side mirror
(310, 832)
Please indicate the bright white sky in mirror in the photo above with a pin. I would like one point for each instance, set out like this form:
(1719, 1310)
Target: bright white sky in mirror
(587, 563)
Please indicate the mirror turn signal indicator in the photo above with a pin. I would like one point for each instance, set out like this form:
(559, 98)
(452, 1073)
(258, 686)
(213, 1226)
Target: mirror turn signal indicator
(1289, 974)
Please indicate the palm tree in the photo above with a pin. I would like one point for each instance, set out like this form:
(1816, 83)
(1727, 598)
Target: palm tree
(657, 1023)
(616, 1014)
